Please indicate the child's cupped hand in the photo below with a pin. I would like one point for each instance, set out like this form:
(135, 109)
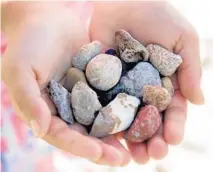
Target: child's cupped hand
(40, 47)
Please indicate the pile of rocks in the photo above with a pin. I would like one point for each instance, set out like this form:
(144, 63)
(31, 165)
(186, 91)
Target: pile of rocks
(123, 90)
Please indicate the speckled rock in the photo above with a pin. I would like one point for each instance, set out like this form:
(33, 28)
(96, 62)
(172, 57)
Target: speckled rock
(84, 103)
(61, 98)
(85, 54)
(156, 96)
(145, 125)
(116, 116)
(103, 71)
(167, 84)
(130, 49)
(142, 74)
(73, 76)
(165, 61)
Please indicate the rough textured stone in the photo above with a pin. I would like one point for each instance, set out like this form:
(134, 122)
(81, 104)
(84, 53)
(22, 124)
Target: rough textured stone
(130, 49)
(145, 125)
(116, 116)
(61, 98)
(156, 96)
(103, 72)
(84, 103)
(73, 76)
(85, 54)
(167, 84)
(142, 74)
(165, 61)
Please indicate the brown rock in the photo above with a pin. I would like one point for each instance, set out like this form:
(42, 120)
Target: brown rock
(156, 96)
(167, 84)
(73, 76)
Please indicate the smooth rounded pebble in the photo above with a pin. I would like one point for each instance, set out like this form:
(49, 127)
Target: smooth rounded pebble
(85, 54)
(61, 98)
(84, 103)
(167, 84)
(165, 61)
(116, 116)
(156, 96)
(145, 125)
(130, 49)
(73, 76)
(104, 71)
(142, 74)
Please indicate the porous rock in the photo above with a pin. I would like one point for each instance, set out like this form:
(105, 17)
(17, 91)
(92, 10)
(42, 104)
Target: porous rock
(73, 76)
(142, 74)
(116, 116)
(104, 71)
(130, 49)
(85, 54)
(156, 96)
(145, 125)
(61, 98)
(167, 84)
(165, 61)
(84, 103)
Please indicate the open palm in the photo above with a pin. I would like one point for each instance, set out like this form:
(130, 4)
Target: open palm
(159, 23)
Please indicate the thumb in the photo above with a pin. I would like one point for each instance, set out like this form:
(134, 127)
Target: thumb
(22, 84)
(190, 71)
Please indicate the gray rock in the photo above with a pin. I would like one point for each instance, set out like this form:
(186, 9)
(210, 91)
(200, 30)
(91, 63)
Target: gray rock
(116, 116)
(84, 103)
(104, 71)
(85, 54)
(165, 61)
(142, 74)
(73, 76)
(61, 98)
(130, 49)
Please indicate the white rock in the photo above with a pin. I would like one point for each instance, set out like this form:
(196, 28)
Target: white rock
(116, 116)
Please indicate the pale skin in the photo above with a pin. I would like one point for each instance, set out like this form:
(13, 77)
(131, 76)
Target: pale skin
(42, 38)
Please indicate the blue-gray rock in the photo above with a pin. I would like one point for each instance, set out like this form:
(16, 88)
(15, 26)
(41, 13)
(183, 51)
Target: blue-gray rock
(85, 54)
(61, 98)
(142, 74)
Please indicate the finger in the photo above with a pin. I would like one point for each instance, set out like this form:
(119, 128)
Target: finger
(112, 140)
(174, 120)
(22, 84)
(111, 155)
(138, 152)
(61, 136)
(157, 147)
(79, 128)
(189, 72)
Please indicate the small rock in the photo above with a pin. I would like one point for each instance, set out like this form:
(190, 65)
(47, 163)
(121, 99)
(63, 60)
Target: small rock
(130, 49)
(145, 125)
(116, 116)
(167, 84)
(61, 98)
(111, 52)
(84, 103)
(85, 54)
(156, 96)
(165, 61)
(103, 72)
(142, 74)
(73, 76)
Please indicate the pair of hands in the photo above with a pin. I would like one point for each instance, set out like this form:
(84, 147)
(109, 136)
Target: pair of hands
(43, 37)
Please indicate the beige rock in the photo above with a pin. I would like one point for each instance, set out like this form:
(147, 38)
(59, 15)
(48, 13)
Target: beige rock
(73, 76)
(167, 84)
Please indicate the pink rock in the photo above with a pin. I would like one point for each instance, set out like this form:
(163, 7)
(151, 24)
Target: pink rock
(145, 125)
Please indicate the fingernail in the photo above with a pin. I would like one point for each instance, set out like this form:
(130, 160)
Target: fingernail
(35, 128)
